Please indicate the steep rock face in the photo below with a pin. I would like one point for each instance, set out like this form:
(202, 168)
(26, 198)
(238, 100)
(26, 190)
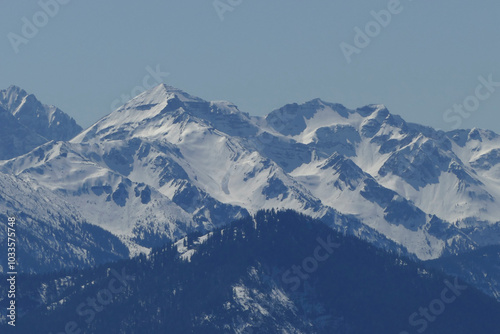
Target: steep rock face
(47, 121)
(184, 145)
(136, 212)
(15, 138)
(168, 163)
(50, 234)
(450, 176)
(209, 163)
(158, 168)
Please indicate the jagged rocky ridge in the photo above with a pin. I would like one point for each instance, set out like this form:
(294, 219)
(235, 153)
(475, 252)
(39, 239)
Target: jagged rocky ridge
(168, 163)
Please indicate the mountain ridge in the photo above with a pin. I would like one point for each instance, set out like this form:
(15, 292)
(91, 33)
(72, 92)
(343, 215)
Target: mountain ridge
(364, 171)
(46, 120)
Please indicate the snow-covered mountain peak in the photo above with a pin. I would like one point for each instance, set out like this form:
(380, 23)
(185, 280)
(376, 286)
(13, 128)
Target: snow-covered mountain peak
(15, 90)
(12, 97)
(225, 108)
(158, 111)
(213, 160)
(371, 109)
(164, 92)
(481, 135)
(294, 119)
(46, 120)
(179, 94)
(160, 96)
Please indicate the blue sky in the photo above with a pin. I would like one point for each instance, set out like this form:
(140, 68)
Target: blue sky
(261, 54)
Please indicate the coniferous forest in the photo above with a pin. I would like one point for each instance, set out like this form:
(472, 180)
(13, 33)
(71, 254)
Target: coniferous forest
(276, 270)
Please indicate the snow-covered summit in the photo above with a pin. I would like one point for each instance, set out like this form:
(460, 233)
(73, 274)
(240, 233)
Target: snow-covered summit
(159, 94)
(432, 192)
(47, 121)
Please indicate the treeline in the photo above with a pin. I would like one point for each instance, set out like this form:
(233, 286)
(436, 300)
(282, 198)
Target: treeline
(271, 273)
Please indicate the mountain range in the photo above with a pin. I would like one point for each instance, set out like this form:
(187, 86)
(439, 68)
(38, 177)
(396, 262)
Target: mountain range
(167, 163)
